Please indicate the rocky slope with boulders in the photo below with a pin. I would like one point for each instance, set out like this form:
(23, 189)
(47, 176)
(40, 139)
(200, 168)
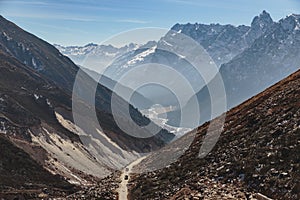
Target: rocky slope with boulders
(257, 154)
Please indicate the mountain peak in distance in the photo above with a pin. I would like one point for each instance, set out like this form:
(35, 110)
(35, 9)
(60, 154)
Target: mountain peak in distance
(262, 20)
(290, 23)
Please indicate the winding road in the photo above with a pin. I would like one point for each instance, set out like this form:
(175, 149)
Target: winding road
(123, 190)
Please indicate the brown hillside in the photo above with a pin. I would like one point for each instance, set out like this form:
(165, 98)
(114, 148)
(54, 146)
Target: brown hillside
(258, 152)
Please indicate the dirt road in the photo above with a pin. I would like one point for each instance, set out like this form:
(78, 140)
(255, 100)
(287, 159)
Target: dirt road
(123, 190)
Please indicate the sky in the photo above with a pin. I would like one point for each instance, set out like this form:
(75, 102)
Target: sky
(79, 22)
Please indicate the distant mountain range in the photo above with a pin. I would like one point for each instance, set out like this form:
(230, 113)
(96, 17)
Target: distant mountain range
(94, 56)
(224, 42)
(270, 58)
(249, 58)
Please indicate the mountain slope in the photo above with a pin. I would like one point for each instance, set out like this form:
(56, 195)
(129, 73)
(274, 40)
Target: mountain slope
(37, 54)
(36, 113)
(29, 108)
(137, 100)
(61, 71)
(258, 151)
(23, 177)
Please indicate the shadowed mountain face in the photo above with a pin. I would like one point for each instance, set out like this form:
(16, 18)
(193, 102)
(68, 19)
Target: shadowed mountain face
(61, 72)
(19, 171)
(48, 62)
(29, 108)
(27, 99)
(21, 114)
(37, 54)
(258, 151)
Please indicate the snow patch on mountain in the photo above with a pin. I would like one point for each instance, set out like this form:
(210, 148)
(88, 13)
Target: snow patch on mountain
(6, 36)
(36, 96)
(141, 56)
(2, 128)
(34, 63)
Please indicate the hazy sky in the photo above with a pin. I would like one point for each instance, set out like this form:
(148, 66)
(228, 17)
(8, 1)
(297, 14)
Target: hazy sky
(78, 22)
